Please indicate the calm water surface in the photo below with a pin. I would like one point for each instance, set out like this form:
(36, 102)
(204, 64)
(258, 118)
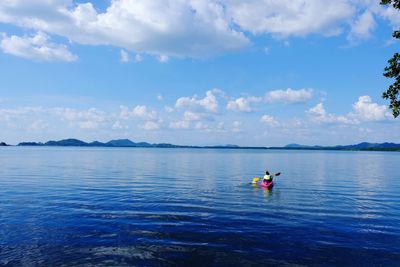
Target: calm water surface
(184, 207)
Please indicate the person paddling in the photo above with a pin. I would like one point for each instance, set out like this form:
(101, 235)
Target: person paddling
(267, 179)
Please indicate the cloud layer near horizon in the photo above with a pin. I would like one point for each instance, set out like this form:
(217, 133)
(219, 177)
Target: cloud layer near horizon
(199, 116)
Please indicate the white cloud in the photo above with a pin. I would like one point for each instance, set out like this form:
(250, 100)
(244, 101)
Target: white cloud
(291, 17)
(160, 97)
(289, 96)
(192, 116)
(269, 120)
(163, 58)
(88, 124)
(118, 126)
(36, 47)
(366, 110)
(361, 117)
(38, 125)
(319, 115)
(242, 104)
(86, 119)
(150, 125)
(138, 58)
(208, 104)
(38, 118)
(236, 126)
(7, 115)
(139, 111)
(168, 109)
(362, 27)
(158, 27)
(388, 13)
(179, 125)
(188, 28)
(318, 110)
(201, 126)
(124, 56)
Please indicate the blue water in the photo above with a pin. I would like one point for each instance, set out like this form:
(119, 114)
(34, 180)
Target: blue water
(188, 207)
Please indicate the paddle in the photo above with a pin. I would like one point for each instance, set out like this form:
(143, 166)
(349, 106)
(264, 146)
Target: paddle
(256, 179)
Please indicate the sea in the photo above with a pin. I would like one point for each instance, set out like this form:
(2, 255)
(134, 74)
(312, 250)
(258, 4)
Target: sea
(71, 206)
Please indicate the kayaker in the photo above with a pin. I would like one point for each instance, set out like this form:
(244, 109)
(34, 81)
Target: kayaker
(268, 177)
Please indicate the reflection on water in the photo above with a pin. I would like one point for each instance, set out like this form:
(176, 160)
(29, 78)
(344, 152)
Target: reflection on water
(80, 206)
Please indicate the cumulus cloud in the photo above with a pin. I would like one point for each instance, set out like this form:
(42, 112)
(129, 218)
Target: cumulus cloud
(118, 126)
(193, 116)
(362, 27)
(159, 27)
(38, 119)
(36, 47)
(388, 13)
(188, 118)
(140, 111)
(150, 126)
(85, 119)
(201, 126)
(319, 115)
(242, 104)
(163, 58)
(269, 120)
(207, 104)
(9, 114)
(124, 56)
(363, 114)
(187, 28)
(291, 17)
(179, 125)
(168, 109)
(289, 96)
(22, 117)
(366, 110)
(138, 58)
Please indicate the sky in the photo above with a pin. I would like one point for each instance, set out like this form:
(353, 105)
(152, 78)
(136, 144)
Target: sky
(197, 72)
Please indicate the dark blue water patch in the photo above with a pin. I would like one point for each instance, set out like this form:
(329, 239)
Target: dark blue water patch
(162, 207)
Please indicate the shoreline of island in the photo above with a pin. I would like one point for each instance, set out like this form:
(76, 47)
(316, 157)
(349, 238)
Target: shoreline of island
(126, 143)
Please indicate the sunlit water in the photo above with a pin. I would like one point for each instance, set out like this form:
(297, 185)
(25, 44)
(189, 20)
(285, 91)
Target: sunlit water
(185, 207)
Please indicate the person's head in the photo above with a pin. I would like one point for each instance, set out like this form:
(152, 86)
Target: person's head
(267, 172)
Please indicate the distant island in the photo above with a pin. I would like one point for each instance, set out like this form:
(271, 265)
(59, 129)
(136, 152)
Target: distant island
(128, 143)
(361, 146)
(115, 143)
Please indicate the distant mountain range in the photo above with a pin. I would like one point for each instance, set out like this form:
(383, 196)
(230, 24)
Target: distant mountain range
(114, 143)
(128, 143)
(360, 146)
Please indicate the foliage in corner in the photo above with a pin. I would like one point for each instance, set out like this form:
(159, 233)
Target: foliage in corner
(393, 70)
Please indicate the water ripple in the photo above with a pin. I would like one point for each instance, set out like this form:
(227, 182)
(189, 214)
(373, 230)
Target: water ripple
(161, 207)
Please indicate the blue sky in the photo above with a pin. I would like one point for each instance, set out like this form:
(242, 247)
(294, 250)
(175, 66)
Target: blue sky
(253, 72)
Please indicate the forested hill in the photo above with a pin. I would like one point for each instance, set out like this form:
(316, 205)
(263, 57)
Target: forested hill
(128, 143)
